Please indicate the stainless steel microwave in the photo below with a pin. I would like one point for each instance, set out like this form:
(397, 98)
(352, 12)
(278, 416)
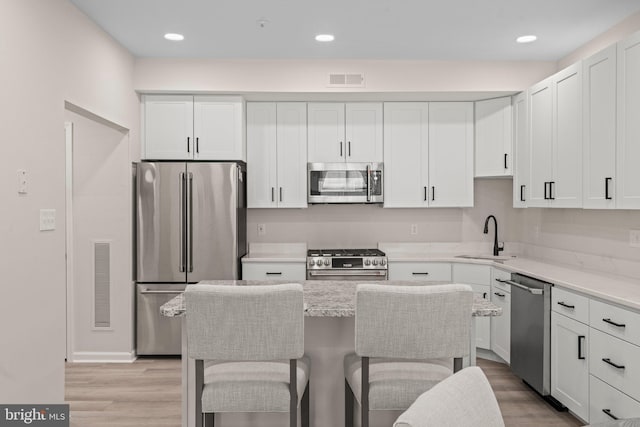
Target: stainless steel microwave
(345, 183)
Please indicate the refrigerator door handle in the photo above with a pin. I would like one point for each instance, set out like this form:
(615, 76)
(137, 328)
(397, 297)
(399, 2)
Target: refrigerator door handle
(190, 237)
(181, 222)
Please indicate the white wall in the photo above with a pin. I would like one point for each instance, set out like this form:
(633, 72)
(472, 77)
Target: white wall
(49, 52)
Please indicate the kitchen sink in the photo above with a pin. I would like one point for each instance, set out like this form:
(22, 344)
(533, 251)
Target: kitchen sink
(496, 258)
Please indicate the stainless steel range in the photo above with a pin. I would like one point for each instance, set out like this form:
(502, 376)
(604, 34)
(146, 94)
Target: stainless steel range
(346, 264)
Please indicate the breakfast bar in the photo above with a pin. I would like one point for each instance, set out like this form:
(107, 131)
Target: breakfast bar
(329, 335)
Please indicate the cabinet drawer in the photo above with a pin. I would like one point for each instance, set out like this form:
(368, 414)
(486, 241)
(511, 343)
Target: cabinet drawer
(274, 271)
(616, 321)
(615, 362)
(426, 271)
(499, 275)
(570, 304)
(603, 398)
(472, 274)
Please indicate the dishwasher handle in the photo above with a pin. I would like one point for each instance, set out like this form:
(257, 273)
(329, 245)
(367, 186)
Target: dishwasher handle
(534, 291)
(149, 292)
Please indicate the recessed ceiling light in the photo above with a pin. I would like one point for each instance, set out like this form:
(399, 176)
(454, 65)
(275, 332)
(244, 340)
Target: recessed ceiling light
(527, 39)
(324, 37)
(174, 37)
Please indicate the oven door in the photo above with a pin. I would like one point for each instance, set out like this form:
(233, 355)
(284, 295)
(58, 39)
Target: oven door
(347, 274)
(345, 183)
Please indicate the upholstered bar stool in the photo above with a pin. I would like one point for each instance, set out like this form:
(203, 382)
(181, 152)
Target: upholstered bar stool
(408, 338)
(462, 400)
(252, 338)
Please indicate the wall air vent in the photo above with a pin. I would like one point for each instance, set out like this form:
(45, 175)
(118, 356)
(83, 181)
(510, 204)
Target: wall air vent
(102, 284)
(346, 80)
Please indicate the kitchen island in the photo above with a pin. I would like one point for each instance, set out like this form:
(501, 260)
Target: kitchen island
(329, 335)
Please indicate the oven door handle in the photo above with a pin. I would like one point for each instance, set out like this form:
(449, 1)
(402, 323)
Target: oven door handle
(348, 273)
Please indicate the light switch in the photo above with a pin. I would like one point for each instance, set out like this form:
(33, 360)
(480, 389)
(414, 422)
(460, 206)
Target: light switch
(22, 181)
(262, 229)
(414, 229)
(634, 238)
(47, 219)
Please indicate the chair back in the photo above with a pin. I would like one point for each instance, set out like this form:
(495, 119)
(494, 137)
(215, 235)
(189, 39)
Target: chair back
(413, 322)
(245, 322)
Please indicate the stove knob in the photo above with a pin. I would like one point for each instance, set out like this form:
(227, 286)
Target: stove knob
(375, 262)
(326, 262)
(367, 261)
(383, 262)
(312, 263)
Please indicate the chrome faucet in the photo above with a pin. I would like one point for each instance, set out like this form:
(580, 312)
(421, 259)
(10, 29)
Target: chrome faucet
(496, 247)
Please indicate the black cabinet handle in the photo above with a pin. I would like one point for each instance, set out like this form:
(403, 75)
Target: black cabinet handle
(522, 193)
(280, 193)
(551, 184)
(545, 191)
(340, 148)
(484, 295)
(197, 145)
(562, 303)
(272, 196)
(505, 161)
(499, 294)
(607, 196)
(580, 338)
(274, 273)
(608, 412)
(433, 193)
(420, 274)
(425, 194)
(609, 362)
(188, 144)
(611, 322)
(349, 147)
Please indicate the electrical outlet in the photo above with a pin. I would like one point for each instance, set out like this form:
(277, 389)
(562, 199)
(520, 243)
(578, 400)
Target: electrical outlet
(414, 229)
(262, 229)
(47, 219)
(634, 238)
(22, 181)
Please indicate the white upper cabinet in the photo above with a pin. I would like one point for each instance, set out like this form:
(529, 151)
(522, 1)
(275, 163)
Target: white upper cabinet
(341, 132)
(494, 137)
(428, 154)
(167, 127)
(628, 137)
(599, 130)
(276, 155)
(520, 150)
(406, 154)
(555, 121)
(184, 127)
(451, 154)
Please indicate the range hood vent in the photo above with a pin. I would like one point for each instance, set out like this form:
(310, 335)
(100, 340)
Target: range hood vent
(346, 80)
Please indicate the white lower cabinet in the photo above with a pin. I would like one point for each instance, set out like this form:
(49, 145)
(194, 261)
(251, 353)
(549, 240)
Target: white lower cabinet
(570, 364)
(274, 271)
(615, 362)
(425, 271)
(501, 325)
(479, 278)
(607, 404)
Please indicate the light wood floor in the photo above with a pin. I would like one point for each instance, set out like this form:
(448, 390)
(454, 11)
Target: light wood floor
(147, 393)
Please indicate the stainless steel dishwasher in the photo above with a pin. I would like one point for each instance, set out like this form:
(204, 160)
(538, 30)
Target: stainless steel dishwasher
(156, 334)
(531, 334)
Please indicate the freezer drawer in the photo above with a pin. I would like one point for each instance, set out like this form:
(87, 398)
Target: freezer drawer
(156, 334)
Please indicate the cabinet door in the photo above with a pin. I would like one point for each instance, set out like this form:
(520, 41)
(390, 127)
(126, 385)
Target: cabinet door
(541, 142)
(566, 185)
(168, 127)
(274, 271)
(608, 404)
(521, 150)
(261, 155)
(292, 154)
(363, 127)
(570, 364)
(479, 278)
(326, 132)
(599, 130)
(501, 325)
(421, 271)
(219, 128)
(406, 154)
(493, 137)
(628, 139)
(451, 154)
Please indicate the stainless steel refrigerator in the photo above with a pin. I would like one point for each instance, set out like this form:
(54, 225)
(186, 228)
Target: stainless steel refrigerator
(191, 226)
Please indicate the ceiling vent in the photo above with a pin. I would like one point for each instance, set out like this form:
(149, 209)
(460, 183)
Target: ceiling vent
(346, 80)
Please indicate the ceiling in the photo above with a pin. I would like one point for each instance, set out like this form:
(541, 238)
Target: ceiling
(363, 29)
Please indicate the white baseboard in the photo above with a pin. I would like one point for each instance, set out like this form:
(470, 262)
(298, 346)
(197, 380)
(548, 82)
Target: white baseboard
(489, 355)
(102, 357)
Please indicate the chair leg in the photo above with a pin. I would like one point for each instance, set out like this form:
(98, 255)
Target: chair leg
(364, 399)
(304, 407)
(457, 364)
(348, 405)
(293, 393)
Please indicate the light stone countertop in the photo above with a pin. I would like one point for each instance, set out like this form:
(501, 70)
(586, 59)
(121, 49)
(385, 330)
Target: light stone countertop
(276, 252)
(324, 298)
